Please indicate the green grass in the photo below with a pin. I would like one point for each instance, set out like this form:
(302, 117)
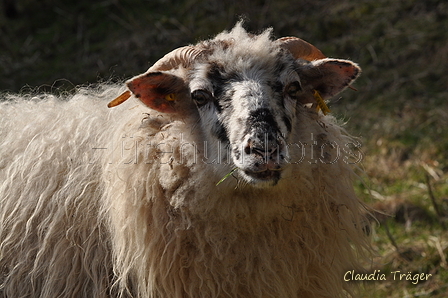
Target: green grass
(421, 249)
(400, 110)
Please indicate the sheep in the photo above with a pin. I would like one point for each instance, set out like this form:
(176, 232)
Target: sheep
(220, 175)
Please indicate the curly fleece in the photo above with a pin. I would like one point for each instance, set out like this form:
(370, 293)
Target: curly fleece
(100, 203)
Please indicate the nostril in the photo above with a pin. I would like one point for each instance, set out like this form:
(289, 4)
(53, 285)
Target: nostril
(251, 149)
(247, 149)
(259, 151)
(273, 151)
(255, 151)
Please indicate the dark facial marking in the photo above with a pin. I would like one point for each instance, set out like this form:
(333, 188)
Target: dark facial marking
(216, 78)
(220, 78)
(220, 132)
(277, 87)
(226, 100)
(261, 119)
(287, 121)
(236, 152)
(261, 115)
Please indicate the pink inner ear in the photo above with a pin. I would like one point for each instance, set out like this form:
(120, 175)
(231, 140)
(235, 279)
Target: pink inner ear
(156, 101)
(331, 76)
(150, 89)
(344, 69)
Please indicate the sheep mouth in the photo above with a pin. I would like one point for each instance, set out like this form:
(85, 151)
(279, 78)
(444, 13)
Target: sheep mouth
(264, 176)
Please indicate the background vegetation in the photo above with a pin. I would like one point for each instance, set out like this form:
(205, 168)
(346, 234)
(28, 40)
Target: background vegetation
(400, 110)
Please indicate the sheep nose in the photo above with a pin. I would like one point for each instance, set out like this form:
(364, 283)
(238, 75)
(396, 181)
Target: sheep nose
(262, 152)
(270, 155)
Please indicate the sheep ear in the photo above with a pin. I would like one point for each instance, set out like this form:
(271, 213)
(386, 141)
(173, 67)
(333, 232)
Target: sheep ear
(158, 90)
(329, 76)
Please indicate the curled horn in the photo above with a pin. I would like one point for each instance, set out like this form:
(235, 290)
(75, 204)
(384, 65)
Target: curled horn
(300, 48)
(183, 56)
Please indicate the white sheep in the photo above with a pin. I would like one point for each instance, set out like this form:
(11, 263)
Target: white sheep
(131, 201)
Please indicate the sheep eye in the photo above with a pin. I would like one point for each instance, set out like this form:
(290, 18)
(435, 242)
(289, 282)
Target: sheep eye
(293, 90)
(201, 97)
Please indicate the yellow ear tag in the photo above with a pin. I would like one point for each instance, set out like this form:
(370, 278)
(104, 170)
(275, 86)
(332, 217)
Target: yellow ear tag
(170, 97)
(320, 103)
(120, 99)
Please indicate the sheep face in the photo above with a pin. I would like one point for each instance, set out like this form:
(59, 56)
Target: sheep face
(249, 108)
(247, 97)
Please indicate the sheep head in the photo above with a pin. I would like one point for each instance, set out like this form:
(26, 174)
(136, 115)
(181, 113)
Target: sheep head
(247, 91)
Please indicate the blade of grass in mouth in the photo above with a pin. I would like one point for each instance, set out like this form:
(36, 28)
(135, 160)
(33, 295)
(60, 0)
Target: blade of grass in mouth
(227, 175)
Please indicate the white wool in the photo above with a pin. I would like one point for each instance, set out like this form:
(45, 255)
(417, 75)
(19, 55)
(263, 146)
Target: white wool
(245, 48)
(52, 240)
(295, 238)
(98, 202)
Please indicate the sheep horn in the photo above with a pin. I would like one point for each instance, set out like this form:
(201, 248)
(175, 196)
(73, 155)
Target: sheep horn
(181, 56)
(300, 48)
